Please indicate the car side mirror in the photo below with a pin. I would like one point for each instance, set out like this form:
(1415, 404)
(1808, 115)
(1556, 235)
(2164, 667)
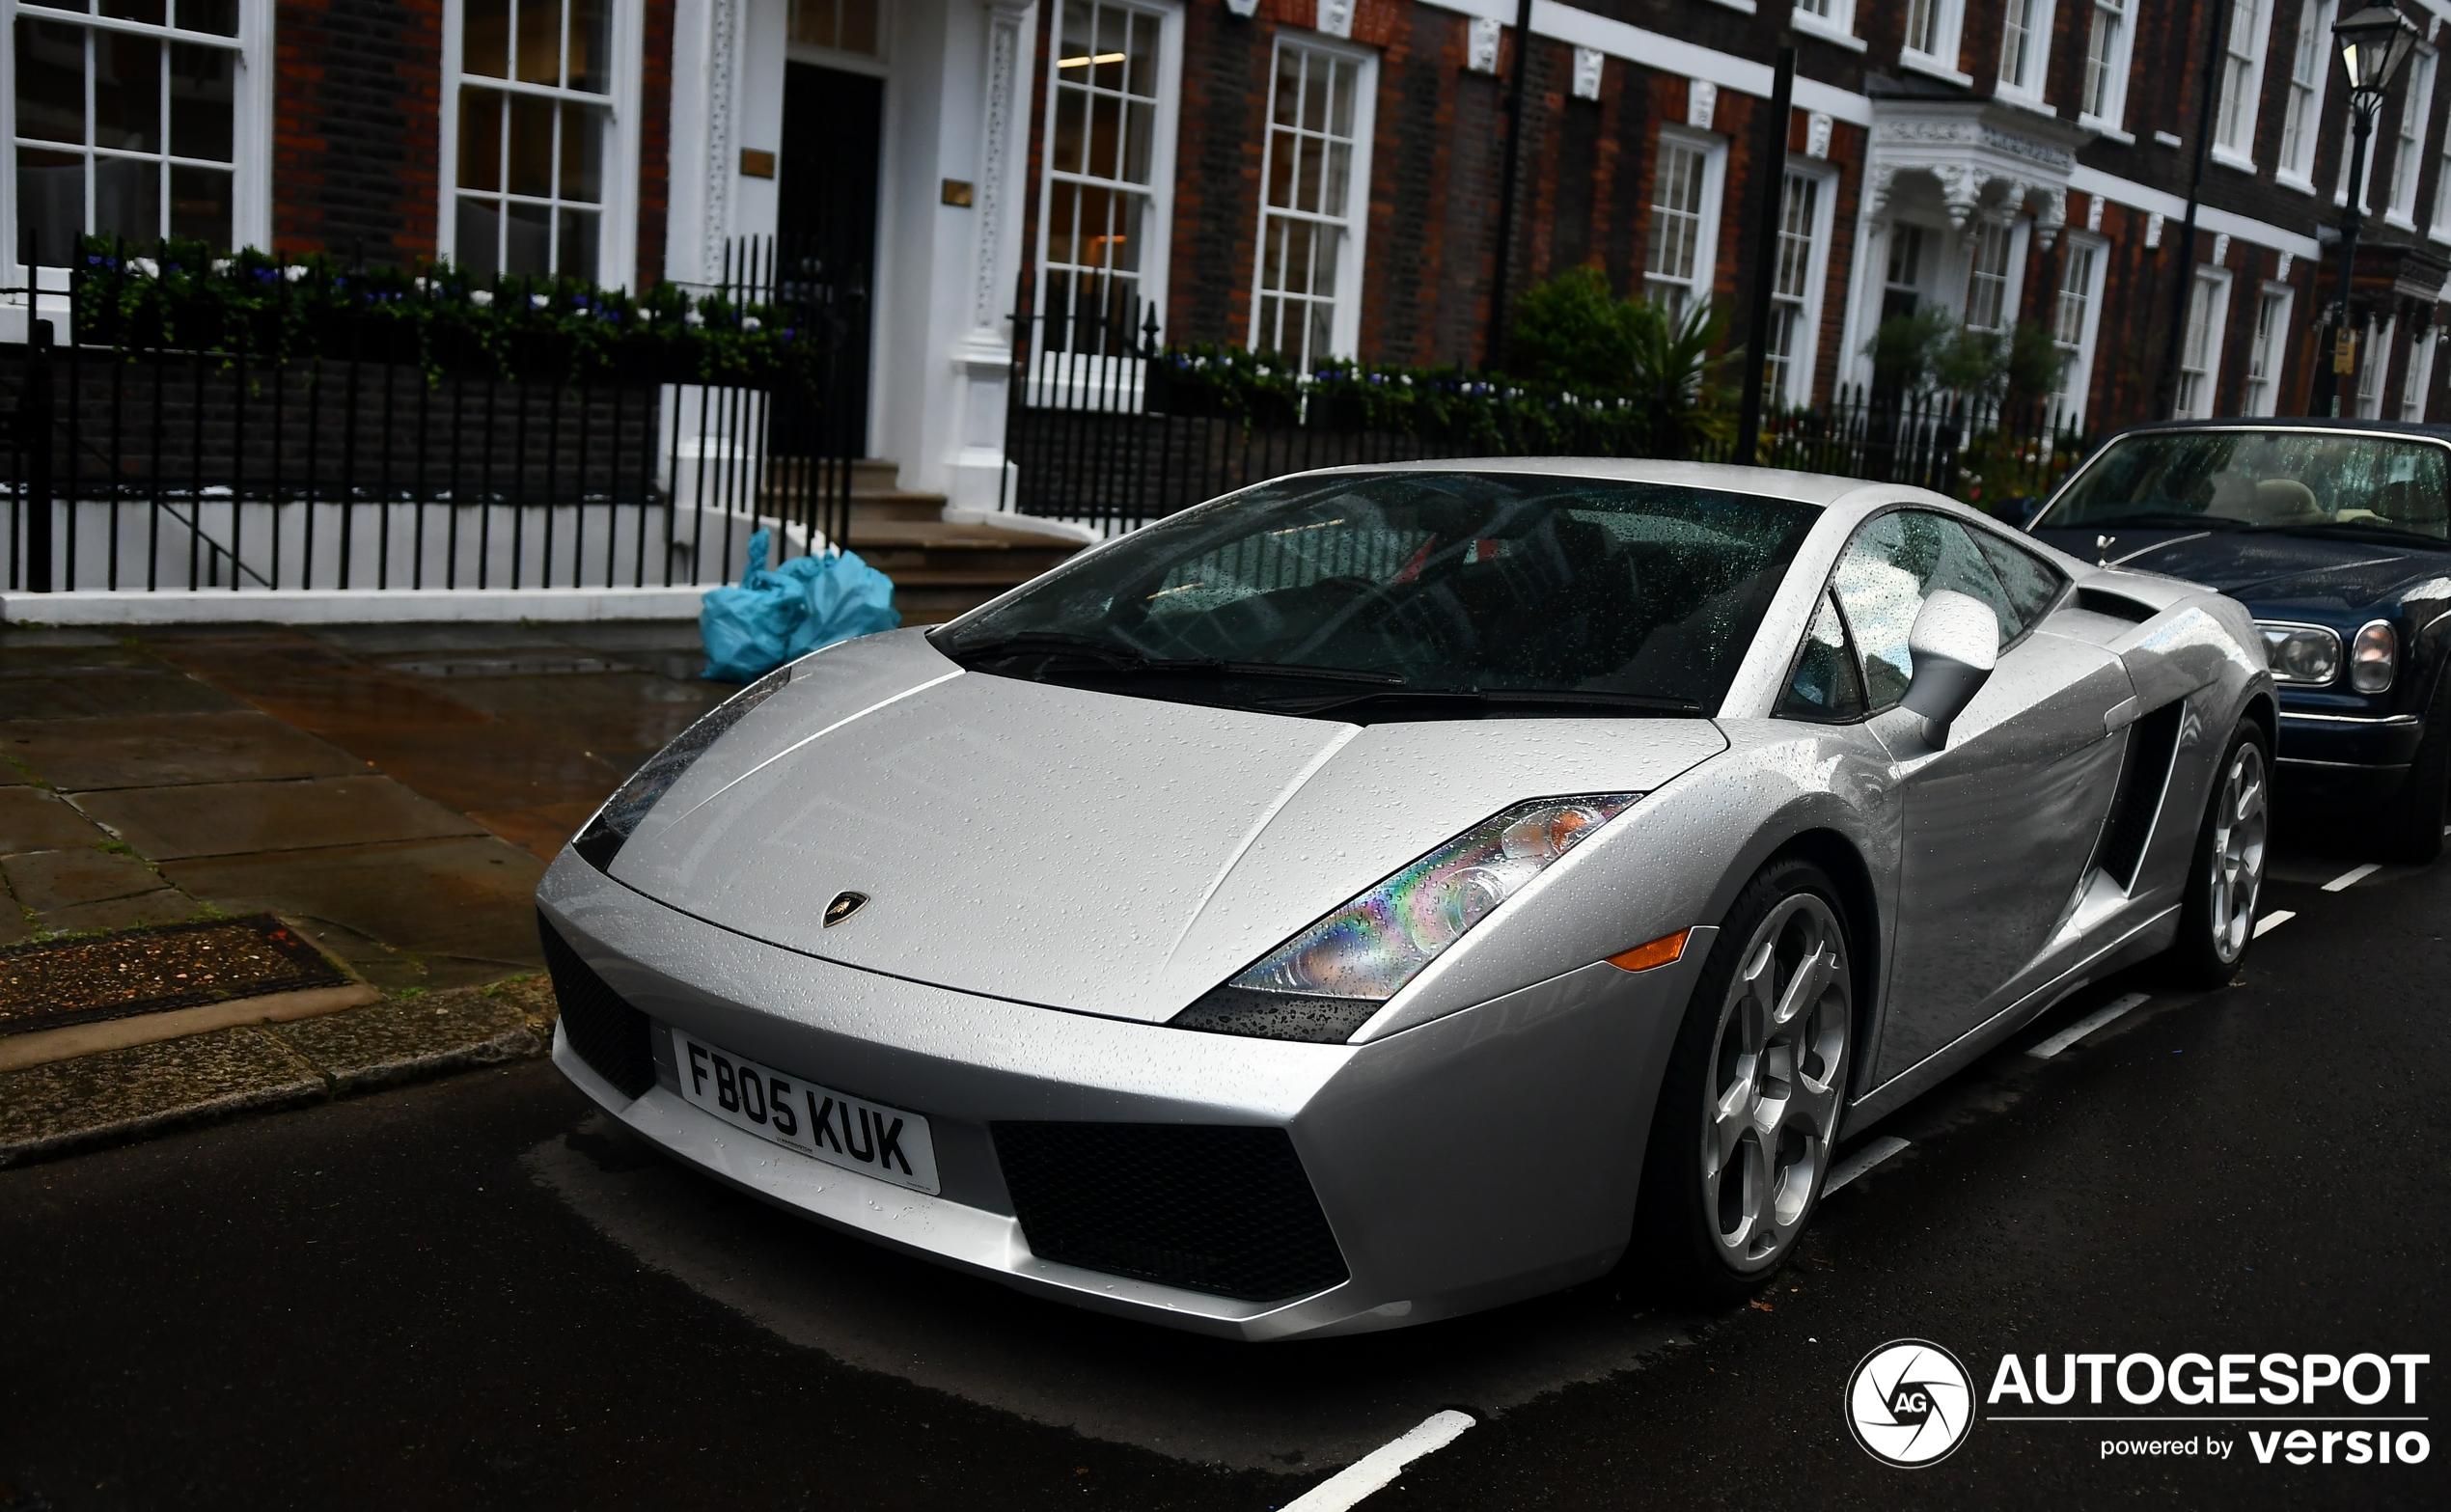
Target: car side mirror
(1954, 645)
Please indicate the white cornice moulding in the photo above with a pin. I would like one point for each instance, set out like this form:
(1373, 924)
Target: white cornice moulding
(2160, 202)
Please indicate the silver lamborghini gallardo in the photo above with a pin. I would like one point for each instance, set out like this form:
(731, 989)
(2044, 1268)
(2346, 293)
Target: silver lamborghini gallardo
(1387, 893)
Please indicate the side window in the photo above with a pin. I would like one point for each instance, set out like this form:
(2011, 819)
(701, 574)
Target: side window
(2029, 583)
(1825, 686)
(1895, 562)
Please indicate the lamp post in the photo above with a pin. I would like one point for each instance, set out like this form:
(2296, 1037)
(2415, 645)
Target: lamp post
(2375, 43)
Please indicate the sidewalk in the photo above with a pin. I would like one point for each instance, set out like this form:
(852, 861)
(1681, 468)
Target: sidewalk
(391, 792)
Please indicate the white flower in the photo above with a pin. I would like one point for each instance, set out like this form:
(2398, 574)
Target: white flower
(540, 301)
(222, 265)
(750, 323)
(480, 298)
(295, 273)
(423, 285)
(146, 266)
(693, 319)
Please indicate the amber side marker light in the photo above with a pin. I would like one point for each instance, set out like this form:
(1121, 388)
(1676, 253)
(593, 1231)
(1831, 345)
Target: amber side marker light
(1663, 951)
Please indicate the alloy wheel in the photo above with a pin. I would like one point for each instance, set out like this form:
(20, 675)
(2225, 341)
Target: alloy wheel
(2239, 823)
(1777, 1066)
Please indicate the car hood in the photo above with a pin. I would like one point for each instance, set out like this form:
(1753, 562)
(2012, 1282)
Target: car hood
(1077, 849)
(2262, 567)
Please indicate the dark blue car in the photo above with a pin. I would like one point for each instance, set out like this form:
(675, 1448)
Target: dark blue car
(2336, 534)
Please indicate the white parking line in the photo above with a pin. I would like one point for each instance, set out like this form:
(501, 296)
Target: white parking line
(1382, 1465)
(2086, 1026)
(2352, 878)
(1861, 1160)
(2272, 921)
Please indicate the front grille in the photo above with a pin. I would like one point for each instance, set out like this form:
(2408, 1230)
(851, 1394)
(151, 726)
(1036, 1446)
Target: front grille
(610, 1035)
(1221, 1210)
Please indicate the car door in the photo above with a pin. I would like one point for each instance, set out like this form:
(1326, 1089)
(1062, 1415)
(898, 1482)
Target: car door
(1996, 826)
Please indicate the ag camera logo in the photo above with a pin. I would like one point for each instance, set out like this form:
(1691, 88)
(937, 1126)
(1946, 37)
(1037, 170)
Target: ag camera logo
(1911, 1403)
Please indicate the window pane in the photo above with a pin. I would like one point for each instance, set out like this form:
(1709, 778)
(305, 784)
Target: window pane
(582, 153)
(50, 202)
(51, 83)
(480, 139)
(484, 38)
(127, 91)
(528, 248)
(1071, 105)
(540, 41)
(592, 45)
(858, 25)
(1139, 123)
(200, 205)
(201, 91)
(1825, 685)
(128, 199)
(577, 251)
(1144, 62)
(480, 233)
(531, 149)
(1106, 66)
(149, 11)
(1106, 136)
(217, 17)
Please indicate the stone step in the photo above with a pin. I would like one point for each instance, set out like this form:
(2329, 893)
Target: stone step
(940, 570)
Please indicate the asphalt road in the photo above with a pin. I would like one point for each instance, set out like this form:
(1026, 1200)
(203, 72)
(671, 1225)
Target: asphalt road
(473, 1294)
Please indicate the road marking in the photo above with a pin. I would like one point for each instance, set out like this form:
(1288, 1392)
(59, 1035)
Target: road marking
(1382, 1465)
(2352, 878)
(1861, 1160)
(2272, 921)
(2086, 1026)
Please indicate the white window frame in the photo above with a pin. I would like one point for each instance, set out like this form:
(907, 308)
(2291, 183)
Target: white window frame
(1948, 22)
(2115, 66)
(2269, 354)
(2416, 383)
(2441, 229)
(2242, 67)
(2075, 380)
(2012, 274)
(1344, 330)
(617, 233)
(2408, 140)
(1830, 21)
(1158, 221)
(2303, 111)
(2374, 366)
(2216, 309)
(1804, 362)
(1706, 234)
(250, 124)
(2035, 71)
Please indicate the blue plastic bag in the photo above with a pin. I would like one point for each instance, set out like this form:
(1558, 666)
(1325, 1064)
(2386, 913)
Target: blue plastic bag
(775, 614)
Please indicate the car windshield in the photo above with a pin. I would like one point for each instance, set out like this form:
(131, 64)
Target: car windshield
(1412, 595)
(2275, 480)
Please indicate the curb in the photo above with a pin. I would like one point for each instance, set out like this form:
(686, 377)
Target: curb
(121, 1095)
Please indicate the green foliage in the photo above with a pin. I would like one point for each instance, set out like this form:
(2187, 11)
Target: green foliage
(1680, 369)
(2034, 365)
(1905, 348)
(1929, 349)
(185, 296)
(1572, 331)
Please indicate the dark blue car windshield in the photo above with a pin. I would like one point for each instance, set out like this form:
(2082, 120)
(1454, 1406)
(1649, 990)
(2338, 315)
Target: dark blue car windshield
(2272, 478)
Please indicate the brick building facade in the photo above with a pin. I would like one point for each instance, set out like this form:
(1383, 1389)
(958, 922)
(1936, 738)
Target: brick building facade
(1320, 177)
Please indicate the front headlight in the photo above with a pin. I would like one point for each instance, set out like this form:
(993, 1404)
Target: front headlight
(2307, 655)
(1325, 982)
(2373, 656)
(611, 827)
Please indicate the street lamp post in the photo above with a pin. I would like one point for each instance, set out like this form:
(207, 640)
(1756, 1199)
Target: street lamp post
(2375, 43)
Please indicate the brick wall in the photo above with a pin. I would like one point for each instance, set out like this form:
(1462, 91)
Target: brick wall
(356, 129)
(655, 142)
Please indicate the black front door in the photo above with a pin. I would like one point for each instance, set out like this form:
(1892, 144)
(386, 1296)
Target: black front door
(826, 241)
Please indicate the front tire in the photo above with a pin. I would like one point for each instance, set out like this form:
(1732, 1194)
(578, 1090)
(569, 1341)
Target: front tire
(1740, 1140)
(2225, 877)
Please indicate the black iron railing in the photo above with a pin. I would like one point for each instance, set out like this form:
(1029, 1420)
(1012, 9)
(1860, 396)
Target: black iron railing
(1102, 429)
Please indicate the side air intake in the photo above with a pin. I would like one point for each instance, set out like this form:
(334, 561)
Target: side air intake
(2152, 742)
(614, 1038)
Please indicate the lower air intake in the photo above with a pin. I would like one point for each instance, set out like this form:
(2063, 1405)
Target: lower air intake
(1226, 1211)
(610, 1035)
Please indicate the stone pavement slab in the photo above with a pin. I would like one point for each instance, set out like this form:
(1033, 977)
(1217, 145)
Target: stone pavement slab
(166, 750)
(163, 906)
(433, 913)
(404, 1038)
(314, 686)
(31, 820)
(49, 1109)
(233, 818)
(621, 718)
(84, 695)
(48, 879)
(487, 766)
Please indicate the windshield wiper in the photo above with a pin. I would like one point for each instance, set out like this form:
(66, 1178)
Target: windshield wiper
(1470, 702)
(2150, 519)
(2362, 528)
(1114, 656)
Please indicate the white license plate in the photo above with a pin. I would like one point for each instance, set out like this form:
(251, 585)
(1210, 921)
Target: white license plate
(887, 1143)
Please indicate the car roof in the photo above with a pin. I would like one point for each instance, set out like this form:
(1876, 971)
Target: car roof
(2400, 428)
(1773, 482)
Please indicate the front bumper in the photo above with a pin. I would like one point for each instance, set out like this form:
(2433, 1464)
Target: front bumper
(1486, 1156)
(2347, 760)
